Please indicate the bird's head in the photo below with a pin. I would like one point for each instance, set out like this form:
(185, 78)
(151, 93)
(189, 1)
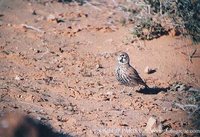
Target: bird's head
(123, 58)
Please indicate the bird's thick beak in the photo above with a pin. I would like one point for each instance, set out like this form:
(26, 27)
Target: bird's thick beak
(116, 53)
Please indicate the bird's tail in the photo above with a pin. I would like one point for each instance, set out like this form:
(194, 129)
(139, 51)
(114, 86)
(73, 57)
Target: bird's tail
(144, 84)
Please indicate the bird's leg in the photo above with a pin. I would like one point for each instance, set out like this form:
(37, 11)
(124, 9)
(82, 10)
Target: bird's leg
(130, 91)
(137, 88)
(122, 91)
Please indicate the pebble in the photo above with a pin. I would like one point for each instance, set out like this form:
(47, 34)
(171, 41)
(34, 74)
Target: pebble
(149, 70)
(9, 25)
(51, 17)
(99, 66)
(153, 125)
(17, 77)
(34, 12)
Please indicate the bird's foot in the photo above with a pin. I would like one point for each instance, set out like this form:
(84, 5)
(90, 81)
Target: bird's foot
(123, 90)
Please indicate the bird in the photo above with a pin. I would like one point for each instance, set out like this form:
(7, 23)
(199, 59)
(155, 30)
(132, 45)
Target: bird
(125, 73)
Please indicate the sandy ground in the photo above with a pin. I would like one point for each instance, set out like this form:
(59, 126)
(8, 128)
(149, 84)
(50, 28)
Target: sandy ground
(61, 71)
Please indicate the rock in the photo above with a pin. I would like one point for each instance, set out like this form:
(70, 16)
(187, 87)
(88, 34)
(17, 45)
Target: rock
(38, 118)
(99, 66)
(51, 17)
(34, 12)
(149, 70)
(40, 18)
(18, 78)
(9, 25)
(154, 125)
(70, 108)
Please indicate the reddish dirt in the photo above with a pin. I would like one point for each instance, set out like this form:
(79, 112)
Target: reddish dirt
(64, 75)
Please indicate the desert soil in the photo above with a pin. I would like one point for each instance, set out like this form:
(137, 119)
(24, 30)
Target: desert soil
(57, 65)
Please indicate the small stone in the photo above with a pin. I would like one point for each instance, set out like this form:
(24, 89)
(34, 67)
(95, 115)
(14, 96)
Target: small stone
(17, 78)
(70, 108)
(40, 18)
(98, 66)
(153, 125)
(149, 70)
(38, 118)
(34, 12)
(9, 25)
(51, 17)
(109, 93)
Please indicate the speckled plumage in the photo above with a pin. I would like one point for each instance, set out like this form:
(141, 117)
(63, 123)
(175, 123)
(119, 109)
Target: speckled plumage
(125, 73)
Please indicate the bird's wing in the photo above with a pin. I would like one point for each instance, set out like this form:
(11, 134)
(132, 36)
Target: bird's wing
(134, 76)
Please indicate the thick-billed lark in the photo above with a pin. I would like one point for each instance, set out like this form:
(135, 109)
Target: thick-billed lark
(126, 74)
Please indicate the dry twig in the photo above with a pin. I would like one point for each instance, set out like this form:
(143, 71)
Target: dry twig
(95, 7)
(184, 107)
(31, 27)
(192, 55)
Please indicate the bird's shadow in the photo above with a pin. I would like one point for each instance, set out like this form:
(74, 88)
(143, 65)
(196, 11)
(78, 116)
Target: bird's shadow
(154, 90)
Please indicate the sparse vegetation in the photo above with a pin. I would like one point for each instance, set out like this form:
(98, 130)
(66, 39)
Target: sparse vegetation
(191, 105)
(183, 16)
(195, 100)
(148, 29)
